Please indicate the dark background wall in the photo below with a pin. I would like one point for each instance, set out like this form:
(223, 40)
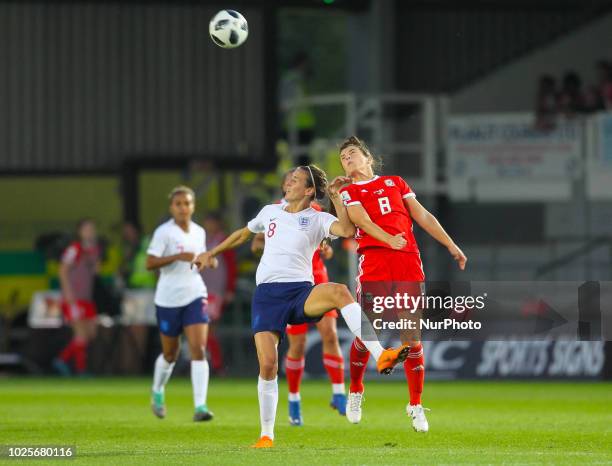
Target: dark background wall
(85, 84)
(444, 45)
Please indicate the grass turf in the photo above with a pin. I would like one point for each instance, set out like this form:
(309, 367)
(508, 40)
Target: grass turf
(109, 422)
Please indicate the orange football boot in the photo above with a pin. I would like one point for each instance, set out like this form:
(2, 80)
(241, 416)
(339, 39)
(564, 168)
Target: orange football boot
(390, 358)
(264, 442)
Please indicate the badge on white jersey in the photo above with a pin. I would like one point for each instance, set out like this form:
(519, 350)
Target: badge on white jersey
(304, 223)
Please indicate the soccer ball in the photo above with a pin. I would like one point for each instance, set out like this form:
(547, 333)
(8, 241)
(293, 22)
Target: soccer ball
(228, 29)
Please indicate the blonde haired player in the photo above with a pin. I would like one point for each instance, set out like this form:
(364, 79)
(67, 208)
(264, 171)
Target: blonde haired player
(285, 292)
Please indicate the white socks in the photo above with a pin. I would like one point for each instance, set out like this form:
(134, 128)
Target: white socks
(338, 389)
(199, 378)
(163, 371)
(268, 399)
(199, 381)
(352, 316)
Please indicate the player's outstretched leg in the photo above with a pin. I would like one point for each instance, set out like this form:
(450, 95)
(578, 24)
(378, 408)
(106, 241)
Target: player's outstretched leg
(327, 296)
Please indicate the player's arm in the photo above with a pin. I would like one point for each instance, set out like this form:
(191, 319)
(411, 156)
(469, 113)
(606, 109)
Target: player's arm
(154, 262)
(258, 243)
(343, 226)
(234, 240)
(360, 217)
(428, 222)
(155, 252)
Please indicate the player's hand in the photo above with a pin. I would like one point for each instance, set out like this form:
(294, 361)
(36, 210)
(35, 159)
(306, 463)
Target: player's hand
(213, 263)
(185, 256)
(336, 184)
(398, 241)
(327, 251)
(458, 255)
(204, 260)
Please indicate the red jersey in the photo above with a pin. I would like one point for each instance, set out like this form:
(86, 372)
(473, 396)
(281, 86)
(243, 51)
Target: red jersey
(82, 264)
(382, 197)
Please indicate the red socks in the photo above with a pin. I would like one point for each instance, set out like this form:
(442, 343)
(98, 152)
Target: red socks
(294, 368)
(80, 355)
(66, 354)
(77, 349)
(359, 363)
(334, 365)
(414, 368)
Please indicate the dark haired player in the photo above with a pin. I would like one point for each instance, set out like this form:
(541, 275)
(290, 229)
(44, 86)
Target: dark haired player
(333, 362)
(383, 209)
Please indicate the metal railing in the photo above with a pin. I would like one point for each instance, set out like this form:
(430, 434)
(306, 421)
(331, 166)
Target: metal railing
(412, 131)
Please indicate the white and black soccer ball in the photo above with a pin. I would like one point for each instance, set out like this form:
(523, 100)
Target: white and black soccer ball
(228, 29)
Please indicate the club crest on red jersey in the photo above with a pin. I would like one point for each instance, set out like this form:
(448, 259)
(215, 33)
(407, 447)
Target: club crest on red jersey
(389, 183)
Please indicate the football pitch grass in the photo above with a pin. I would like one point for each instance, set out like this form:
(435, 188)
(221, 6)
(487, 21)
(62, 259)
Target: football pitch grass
(110, 422)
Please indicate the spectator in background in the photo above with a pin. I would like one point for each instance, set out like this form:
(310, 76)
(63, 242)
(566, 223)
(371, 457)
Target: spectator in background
(221, 284)
(133, 270)
(78, 268)
(546, 103)
(571, 97)
(604, 72)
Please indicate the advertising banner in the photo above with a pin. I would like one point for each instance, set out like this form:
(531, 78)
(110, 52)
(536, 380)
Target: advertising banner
(506, 156)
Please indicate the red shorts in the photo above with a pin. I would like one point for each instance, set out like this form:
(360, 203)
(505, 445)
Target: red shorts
(319, 277)
(385, 266)
(80, 310)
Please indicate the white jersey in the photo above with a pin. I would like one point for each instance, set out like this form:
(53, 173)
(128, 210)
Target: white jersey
(179, 284)
(290, 242)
